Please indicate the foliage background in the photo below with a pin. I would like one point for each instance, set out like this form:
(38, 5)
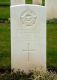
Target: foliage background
(5, 40)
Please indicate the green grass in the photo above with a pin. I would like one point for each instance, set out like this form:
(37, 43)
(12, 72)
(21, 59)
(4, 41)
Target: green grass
(4, 12)
(4, 1)
(52, 44)
(5, 52)
(43, 2)
(28, 1)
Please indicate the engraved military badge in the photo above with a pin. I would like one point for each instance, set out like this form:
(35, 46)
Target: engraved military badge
(28, 17)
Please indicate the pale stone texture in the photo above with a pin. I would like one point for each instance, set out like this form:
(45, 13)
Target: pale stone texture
(51, 7)
(28, 37)
(17, 2)
(37, 1)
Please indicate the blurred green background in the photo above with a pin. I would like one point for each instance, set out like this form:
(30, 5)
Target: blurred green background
(5, 40)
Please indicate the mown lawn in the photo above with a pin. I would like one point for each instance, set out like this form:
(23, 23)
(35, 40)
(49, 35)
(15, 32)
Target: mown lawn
(5, 52)
(4, 12)
(4, 1)
(52, 44)
(28, 1)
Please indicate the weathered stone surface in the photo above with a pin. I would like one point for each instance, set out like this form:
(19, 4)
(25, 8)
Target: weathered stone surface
(28, 37)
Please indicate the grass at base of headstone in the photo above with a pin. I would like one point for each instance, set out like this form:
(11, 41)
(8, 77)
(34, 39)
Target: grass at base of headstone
(34, 75)
(4, 12)
(52, 45)
(5, 51)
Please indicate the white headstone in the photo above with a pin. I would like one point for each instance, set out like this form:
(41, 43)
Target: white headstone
(28, 37)
(51, 7)
(17, 2)
(37, 1)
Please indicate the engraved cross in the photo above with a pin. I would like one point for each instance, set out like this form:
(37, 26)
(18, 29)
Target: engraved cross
(28, 50)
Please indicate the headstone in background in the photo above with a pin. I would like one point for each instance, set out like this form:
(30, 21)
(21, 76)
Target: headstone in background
(28, 37)
(17, 2)
(37, 1)
(51, 7)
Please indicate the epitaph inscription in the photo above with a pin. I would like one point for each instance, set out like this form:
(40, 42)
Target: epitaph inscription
(28, 17)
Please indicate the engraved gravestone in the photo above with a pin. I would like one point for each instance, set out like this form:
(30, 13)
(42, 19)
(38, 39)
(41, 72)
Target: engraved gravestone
(28, 37)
